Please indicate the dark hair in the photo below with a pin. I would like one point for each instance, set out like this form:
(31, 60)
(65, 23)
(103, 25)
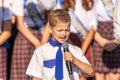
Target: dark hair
(58, 15)
(69, 4)
(87, 4)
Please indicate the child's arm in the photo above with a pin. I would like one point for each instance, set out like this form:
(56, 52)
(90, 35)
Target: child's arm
(112, 45)
(88, 40)
(5, 35)
(26, 32)
(100, 40)
(84, 67)
(46, 34)
(35, 78)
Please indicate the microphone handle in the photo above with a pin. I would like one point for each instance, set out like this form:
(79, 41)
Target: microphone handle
(69, 67)
(68, 63)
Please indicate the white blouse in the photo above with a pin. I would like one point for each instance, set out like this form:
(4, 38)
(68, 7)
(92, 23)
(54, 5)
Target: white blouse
(17, 7)
(116, 21)
(101, 10)
(88, 18)
(42, 6)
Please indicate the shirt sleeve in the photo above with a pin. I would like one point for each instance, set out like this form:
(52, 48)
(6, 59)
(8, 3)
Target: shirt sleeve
(35, 66)
(49, 4)
(116, 21)
(77, 52)
(93, 20)
(18, 7)
(80, 56)
(7, 12)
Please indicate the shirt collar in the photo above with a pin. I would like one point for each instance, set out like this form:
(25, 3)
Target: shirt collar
(54, 43)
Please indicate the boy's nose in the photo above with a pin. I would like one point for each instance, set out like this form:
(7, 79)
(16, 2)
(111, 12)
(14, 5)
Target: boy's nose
(64, 32)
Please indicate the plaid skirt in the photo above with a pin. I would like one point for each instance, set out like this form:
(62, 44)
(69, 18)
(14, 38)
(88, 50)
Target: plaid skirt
(89, 54)
(22, 53)
(3, 62)
(104, 61)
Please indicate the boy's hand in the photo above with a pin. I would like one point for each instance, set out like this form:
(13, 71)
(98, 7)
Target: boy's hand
(68, 56)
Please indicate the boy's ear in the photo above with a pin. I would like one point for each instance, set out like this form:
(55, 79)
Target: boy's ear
(49, 27)
(50, 30)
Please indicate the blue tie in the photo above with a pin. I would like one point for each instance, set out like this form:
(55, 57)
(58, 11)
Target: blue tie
(59, 1)
(59, 60)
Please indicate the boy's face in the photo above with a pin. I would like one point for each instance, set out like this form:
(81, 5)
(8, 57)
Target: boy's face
(60, 32)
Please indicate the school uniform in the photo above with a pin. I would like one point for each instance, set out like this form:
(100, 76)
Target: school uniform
(116, 20)
(3, 49)
(86, 19)
(23, 49)
(104, 61)
(44, 59)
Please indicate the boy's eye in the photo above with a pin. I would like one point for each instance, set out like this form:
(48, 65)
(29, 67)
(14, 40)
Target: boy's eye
(67, 30)
(60, 30)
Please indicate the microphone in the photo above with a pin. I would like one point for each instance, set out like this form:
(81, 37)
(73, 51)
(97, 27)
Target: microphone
(68, 63)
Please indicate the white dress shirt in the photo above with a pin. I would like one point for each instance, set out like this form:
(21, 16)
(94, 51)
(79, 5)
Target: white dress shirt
(36, 67)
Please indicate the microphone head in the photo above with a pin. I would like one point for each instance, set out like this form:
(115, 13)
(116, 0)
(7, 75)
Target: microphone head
(65, 44)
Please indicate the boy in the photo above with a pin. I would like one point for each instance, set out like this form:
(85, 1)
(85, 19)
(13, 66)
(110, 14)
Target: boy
(47, 61)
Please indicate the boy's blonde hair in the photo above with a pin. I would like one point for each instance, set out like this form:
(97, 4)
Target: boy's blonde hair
(58, 15)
